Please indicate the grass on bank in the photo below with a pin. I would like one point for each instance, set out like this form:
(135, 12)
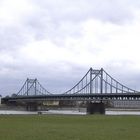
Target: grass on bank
(63, 127)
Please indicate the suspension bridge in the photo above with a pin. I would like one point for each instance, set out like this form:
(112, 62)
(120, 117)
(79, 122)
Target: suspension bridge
(96, 85)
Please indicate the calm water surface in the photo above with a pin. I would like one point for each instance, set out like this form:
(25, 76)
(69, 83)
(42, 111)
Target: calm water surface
(68, 112)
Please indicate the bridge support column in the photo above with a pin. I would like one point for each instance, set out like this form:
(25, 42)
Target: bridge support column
(31, 106)
(0, 100)
(95, 108)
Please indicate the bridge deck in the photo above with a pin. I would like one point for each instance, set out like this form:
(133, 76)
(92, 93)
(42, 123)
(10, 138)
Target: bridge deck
(105, 96)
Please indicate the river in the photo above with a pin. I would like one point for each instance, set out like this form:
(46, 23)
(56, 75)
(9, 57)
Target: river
(70, 112)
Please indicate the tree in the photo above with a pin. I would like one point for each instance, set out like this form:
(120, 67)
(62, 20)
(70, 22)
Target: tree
(13, 95)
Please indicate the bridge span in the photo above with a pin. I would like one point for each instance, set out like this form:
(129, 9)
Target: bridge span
(96, 85)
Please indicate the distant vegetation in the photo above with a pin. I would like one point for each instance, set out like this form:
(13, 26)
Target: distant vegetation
(63, 127)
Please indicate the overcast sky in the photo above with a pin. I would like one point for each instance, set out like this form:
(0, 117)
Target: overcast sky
(57, 41)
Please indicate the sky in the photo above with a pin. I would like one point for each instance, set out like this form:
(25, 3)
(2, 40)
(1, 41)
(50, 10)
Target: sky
(57, 41)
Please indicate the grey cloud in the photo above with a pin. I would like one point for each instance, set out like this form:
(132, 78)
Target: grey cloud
(60, 81)
(53, 79)
(58, 19)
(13, 37)
(111, 11)
(55, 20)
(124, 73)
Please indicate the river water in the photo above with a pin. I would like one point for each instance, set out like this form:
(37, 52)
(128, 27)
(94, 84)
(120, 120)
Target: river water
(69, 112)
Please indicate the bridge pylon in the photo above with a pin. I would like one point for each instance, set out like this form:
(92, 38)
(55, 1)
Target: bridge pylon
(32, 87)
(31, 83)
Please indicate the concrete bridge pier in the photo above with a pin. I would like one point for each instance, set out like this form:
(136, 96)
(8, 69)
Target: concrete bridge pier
(0, 100)
(31, 106)
(95, 108)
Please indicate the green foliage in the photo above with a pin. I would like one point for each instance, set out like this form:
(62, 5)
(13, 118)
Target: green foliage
(64, 127)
